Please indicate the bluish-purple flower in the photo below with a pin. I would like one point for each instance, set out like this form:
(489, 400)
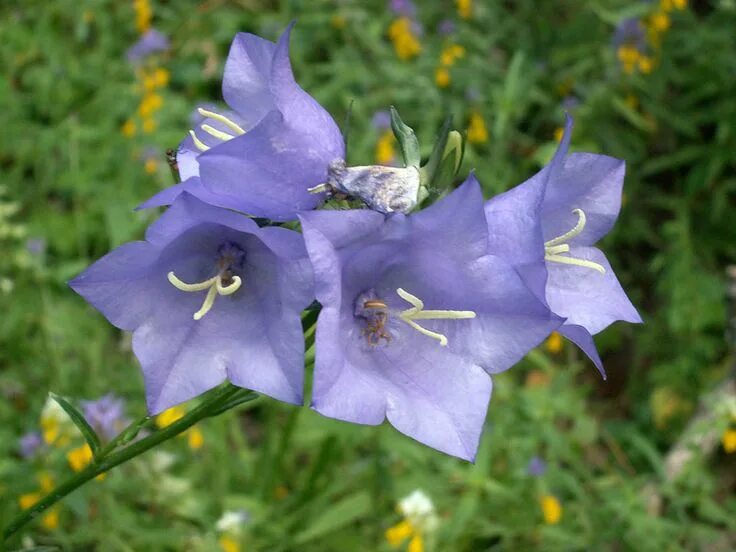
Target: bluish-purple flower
(547, 228)
(263, 156)
(414, 313)
(209, 296)
(407, 8)
(29, 444)
(630, 32)
(536, 466)
(150, 42)
(106, 415)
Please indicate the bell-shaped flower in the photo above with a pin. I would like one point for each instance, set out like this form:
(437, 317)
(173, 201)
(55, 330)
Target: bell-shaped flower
(414, 313)
(209, 296)
(547, 227)
(261, 157)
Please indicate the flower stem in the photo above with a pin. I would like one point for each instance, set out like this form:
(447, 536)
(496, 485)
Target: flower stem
(109, 457)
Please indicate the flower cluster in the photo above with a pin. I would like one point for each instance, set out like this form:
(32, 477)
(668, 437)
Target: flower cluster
(404, 34)
(419, 303)
(419, 521)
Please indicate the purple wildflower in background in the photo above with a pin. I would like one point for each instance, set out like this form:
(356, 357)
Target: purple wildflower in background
(536, 467)
(150, 42)
(547, 226)
(106, 415)
(209, 296)
(381, 119)
(570, 103)
(405, 8)
(630, 32)
(262, 157)
(446, 27)
(36, 246)
(414, 313)
(29, 444)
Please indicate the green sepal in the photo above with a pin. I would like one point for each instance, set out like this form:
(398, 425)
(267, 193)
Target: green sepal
(89, 434)
(450, 163)
(429, 171)
(408, 143)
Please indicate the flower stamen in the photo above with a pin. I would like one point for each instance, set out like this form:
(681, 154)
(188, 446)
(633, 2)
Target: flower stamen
(554, 248)
(214, 287)
(417, 312)
(212, 131)
(224, 120)
(201, 146)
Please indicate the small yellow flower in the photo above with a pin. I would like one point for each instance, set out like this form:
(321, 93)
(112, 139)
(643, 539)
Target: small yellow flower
(402, 36)
(559, 133)
(50, 520)
(195, 439)
(645, 65)
(551, 509)
(477, 131)
(665, 5)
(399, 533)
(168, 417)
(729, 441)
(149, 83)
(27, 500)
(442, 77)
(142, 15)
(660, 22)
(416, 544)
(149, 125)
(628, 55)
(128, 129)
(450, 54)
(464, 8)
(680, 4)
(228, 544)
(161, 77)
(79, 457)
(554, 343)
(150, 166)
(338, 21)
(385, 152)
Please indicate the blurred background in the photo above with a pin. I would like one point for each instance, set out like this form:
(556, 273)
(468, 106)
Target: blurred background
(95, 91)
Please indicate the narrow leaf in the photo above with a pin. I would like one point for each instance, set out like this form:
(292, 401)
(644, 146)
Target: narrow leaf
(77, 417)
(408, 142)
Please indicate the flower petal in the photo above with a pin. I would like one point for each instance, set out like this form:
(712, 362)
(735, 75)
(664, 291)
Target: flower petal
(582, 338)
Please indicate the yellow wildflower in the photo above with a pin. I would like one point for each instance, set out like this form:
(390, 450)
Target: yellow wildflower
(168, 417)
(464, 8)
(149, 125)
(551, 509)
(385, 152)
(56, 427)
(128, 129)
(150, 166)
(79, 457)
(50, 520)
(559, 133)
(659, 21)
(645, 64)
(416, 544)
(27, 500)
(628, 56)
(450, 54)
(195, 439)
(477, 131)
(442, 77)
(402, 36)
(680, 4)
(729, 441)
(399, 533)
(228, 544)
(150, 104)
(160, 77)
(142, 15)
(554, 343)
(149, 83)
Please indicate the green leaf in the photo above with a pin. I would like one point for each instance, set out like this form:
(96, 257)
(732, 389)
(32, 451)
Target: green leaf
(430, 170)
(336, 517)
(77, 417)
(408, 142)
(236, 400)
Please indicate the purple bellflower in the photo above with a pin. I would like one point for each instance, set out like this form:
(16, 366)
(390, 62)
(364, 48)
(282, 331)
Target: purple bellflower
(106, 415)
(29, 444)
(381, 353)
(263, 156)
(547, 227)
(209, 296)
(151, 42)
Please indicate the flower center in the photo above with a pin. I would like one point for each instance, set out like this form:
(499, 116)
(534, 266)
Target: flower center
(212, 131)
(222, 283)
(376, 312)
(554, 248)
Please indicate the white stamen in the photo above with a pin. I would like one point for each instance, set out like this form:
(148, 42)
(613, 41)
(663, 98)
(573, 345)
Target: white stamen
(212, 131)
(319, 188)
(201, 146)
(213, 286)
(224, 120)
(556, 246)
(417, 312)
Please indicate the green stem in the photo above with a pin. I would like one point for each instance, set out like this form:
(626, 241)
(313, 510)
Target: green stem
(108, 458)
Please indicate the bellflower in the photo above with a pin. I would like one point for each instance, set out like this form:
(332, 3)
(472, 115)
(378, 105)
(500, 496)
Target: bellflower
(414, 313)
(106, 415)
(150, 42)
(209, 296)
(261, 157)
(547, 227)
(29, 444)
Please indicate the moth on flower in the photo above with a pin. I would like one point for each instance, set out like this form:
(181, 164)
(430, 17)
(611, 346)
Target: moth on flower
(547, 228)
(209, 296)
(415, 315)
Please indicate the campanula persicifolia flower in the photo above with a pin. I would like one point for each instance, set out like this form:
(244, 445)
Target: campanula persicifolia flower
(547, 227)
(414, 309)
(106, 415)
(150, 42)
(29, 444)
(261, 157)
(209, 296)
